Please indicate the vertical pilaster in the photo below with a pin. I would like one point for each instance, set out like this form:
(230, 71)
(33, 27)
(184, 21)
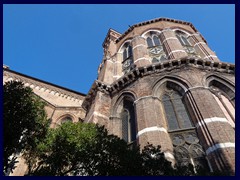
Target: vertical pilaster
(151, 125)
(202, 48)
(108, 71)
(172, 46)
(117, 66)
(140, 53)
(100, 109)
(214, 131)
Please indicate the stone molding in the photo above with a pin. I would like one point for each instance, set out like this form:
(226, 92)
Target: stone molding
(161, 67)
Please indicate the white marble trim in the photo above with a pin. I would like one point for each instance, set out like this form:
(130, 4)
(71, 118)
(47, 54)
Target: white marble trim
(220, 146)
(151, 129)
(140, 59)
(175, 51)
(210, 120)
(199, 43)
(169, 38)
(139, 45)
(169, 155)
(209, 56)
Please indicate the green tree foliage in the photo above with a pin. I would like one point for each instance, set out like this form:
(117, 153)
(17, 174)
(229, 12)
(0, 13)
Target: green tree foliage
(82, 149)
(25, 121)
(87, 149)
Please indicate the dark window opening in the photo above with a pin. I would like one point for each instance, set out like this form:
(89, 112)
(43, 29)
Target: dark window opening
(127, 64)
(66, 119)
(128, 121)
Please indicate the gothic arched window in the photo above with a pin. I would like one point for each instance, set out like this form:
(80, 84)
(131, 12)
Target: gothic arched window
(156, 41)
(177, 115)
(225, 104)
(149, 42)
(127, 63)
(187, 148)
(155, 47)
(153, 41)
(182, 37)
(128, 121)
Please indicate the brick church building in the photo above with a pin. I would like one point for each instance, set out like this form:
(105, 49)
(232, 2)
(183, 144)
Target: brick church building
(159, 82)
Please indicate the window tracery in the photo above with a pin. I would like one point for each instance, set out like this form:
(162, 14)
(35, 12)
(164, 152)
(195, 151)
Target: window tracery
(187, 147)
(182, 37)
(155, 48)
(127, 63)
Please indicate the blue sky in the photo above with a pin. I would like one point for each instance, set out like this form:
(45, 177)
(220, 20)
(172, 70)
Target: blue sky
(62, 44)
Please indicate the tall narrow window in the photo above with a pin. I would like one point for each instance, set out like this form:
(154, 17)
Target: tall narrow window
(149, 42)
(187, 147)
(127, 63)
(156, 41)
(128, 121)
(125, 54)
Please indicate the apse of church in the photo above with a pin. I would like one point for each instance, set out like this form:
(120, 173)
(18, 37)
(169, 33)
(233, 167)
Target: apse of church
(159, 82)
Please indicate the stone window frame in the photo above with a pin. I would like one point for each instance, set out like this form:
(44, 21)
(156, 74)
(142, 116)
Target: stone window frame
(117, 113)
(62, 118)
(224, 85)
(127, 61)
(130, 122)
(156, 52)
(223, 91)
(151, 39)
(182, 36)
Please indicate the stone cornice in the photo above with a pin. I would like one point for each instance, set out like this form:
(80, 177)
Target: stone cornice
(40, 84)
(58, 107)
(153, 21)
(155, 68)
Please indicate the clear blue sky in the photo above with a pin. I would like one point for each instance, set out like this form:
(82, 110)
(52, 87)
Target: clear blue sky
(62, 44)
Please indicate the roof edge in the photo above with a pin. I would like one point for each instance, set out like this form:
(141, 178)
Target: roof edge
(153, 21)
(42, 81)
